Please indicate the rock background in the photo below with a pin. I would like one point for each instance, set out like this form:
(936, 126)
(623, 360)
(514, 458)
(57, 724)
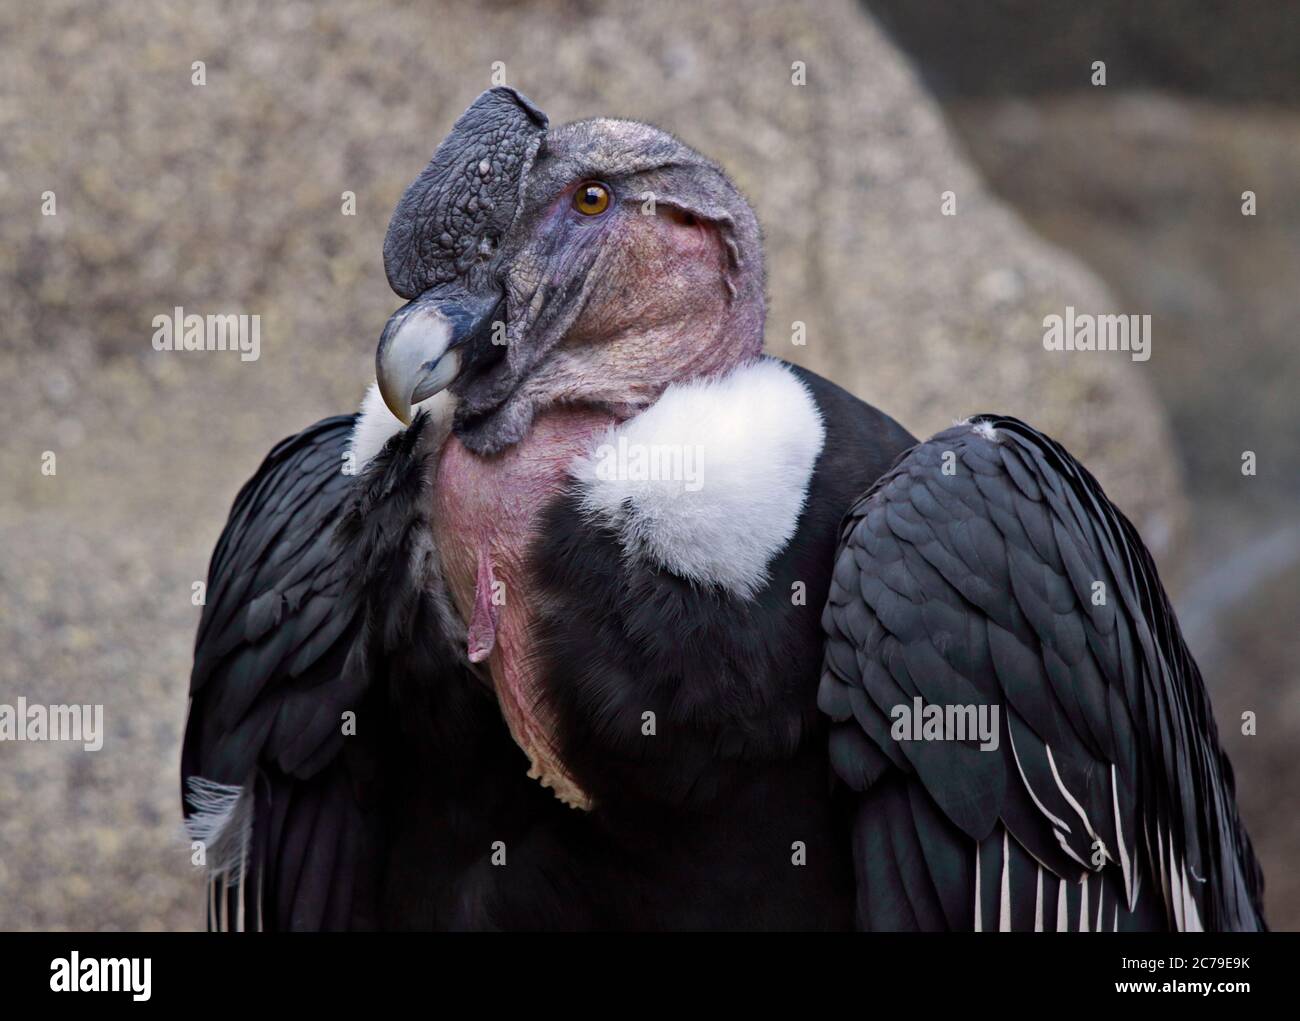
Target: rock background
(1219, 50)
(226, 198)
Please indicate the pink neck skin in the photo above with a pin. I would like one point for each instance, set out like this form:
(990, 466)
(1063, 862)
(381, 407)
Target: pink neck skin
(626, 346)
(485, 517)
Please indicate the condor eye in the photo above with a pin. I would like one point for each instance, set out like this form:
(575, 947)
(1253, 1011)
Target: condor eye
(591, 199)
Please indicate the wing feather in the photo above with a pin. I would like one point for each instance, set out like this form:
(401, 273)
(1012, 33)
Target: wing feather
(286, 646)
(987, 568)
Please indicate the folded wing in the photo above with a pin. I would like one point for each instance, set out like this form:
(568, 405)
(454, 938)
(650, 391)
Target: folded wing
(988, 571)
(316, 587)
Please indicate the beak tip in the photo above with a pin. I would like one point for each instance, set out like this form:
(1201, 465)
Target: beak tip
(417, 355)
(401, 410)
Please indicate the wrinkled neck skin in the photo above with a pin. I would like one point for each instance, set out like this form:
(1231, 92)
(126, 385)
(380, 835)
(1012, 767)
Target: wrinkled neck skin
(487, 508)
(485, 514)
(627, 376)
(660, 306)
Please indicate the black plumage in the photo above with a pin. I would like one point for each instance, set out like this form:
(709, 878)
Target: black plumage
(276, 663)
(323, 599)
(1010, 580)
(969, 588)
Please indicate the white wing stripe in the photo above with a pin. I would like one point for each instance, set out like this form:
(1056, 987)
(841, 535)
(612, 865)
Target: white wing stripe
(1069, 797)
(1004, 916)
(1056, 821)
(1191, 916)
(1060, 839)
(1130, 892)
(1175, 890)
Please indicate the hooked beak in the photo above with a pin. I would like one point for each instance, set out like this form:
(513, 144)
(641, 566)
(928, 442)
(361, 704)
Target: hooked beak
(420, 351)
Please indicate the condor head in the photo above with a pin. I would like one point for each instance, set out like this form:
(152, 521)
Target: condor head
(594, 263)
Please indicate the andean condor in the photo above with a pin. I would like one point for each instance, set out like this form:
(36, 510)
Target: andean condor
(618, 629)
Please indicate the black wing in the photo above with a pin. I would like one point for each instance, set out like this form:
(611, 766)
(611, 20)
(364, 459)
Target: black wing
(988, 569)
(317, 580)
(276, 664)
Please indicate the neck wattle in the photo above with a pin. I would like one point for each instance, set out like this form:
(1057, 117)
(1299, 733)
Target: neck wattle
(486, 514)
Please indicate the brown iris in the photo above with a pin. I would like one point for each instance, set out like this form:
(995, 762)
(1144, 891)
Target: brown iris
(591, 199)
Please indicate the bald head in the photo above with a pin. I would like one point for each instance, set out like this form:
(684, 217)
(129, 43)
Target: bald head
(631, 262)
